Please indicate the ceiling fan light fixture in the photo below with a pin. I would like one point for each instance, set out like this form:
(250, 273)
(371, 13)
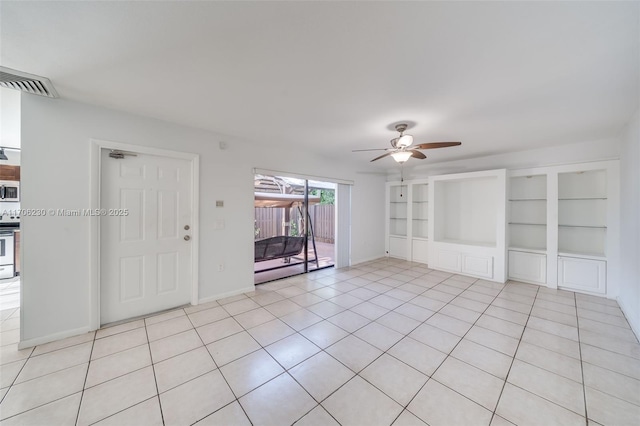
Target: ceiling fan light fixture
(405, 140)
(401, 156)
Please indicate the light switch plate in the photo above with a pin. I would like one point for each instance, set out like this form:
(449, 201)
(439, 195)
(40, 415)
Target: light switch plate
(219, 203)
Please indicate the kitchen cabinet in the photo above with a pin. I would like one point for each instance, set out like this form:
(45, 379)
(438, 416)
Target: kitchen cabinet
(9, 172)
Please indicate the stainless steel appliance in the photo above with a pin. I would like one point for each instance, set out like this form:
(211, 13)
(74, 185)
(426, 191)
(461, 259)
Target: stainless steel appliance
(7, 268)
(8, 225)
(9, 190)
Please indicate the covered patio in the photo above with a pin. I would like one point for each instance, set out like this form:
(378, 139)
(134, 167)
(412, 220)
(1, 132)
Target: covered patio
(290, 209)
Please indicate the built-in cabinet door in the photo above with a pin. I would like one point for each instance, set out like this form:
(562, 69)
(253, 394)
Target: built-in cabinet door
(528, 267)
(582, 274)
(448, 260)
(420, 251)
(479, 266)
(398, 247)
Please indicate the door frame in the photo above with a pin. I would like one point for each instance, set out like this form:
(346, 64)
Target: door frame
(95, 184)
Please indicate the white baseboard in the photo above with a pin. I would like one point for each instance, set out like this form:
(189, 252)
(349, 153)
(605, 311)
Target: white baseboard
(369, 259)
(53, 337)
(227, 294)
(631, 319)
(70, 333)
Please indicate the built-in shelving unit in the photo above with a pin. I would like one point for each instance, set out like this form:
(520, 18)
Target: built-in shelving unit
(582, 212)
(582, 229)
(420, 210)
(419, 198)
(397, 219)
(563, 225)
(468, 223)
(408, 220)
(397, 211)
(556, 226)
(527, 228)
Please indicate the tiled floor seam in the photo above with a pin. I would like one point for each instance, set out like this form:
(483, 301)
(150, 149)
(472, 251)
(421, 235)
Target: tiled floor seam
(153, 369)
(324, 350)
(125, 409)
(375, 320)
(606, 368)
(36, 407)
(513, 359)
(405, 407)
(16, 378)
(84, 383)
(221, 374)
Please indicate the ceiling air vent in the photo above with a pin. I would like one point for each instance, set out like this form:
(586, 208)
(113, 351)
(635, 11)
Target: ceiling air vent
(28, 83)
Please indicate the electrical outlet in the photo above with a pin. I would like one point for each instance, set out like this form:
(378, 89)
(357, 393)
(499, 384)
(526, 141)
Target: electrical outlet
(220, 267)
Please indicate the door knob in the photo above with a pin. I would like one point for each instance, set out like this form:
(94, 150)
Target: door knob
(187, 238)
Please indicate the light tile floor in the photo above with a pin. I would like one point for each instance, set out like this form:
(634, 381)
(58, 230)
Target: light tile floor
(9, 293)
(386, 342)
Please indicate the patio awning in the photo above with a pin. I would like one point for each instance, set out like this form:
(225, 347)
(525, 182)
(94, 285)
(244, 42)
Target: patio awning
(267, 199)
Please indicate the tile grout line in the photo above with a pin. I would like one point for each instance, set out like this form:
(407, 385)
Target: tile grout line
(323, 350)
(153, 369)
(236, 399)
(451, 351)
(84, 383)
(513, 359)
(369, 322)
(584, 384)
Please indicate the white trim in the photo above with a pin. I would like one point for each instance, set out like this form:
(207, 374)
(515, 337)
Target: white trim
(53, 337)
(94, 241)
(301, 176)
(227, 294)
(355, 263)
(342, 211)
(635, 326)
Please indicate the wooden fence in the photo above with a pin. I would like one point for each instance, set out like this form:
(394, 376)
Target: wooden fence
(269, 221)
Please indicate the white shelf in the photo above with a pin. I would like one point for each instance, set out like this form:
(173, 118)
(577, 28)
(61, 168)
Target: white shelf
(582, 199)
(487, 244)
(529, 250)
(528, 212)
(590, 256)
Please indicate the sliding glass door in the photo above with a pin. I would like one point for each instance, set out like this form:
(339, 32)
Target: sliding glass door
(294, 226)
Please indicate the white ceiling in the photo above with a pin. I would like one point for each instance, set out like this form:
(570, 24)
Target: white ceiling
(330, 77)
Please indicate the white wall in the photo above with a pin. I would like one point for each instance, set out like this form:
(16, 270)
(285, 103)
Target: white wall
(581, 152)
(55, 174)
(629, 298)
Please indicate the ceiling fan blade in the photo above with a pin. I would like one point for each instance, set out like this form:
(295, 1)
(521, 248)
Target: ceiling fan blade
(373, 149)
(382, 156)
(432, 145)
(418, 154)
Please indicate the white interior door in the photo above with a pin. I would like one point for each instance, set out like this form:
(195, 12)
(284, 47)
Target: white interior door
(145, 236)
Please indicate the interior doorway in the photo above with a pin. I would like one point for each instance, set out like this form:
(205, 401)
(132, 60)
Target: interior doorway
(146, 232)
(294, 226)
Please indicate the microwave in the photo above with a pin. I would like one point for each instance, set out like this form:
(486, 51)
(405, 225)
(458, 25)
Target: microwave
(9, 190)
